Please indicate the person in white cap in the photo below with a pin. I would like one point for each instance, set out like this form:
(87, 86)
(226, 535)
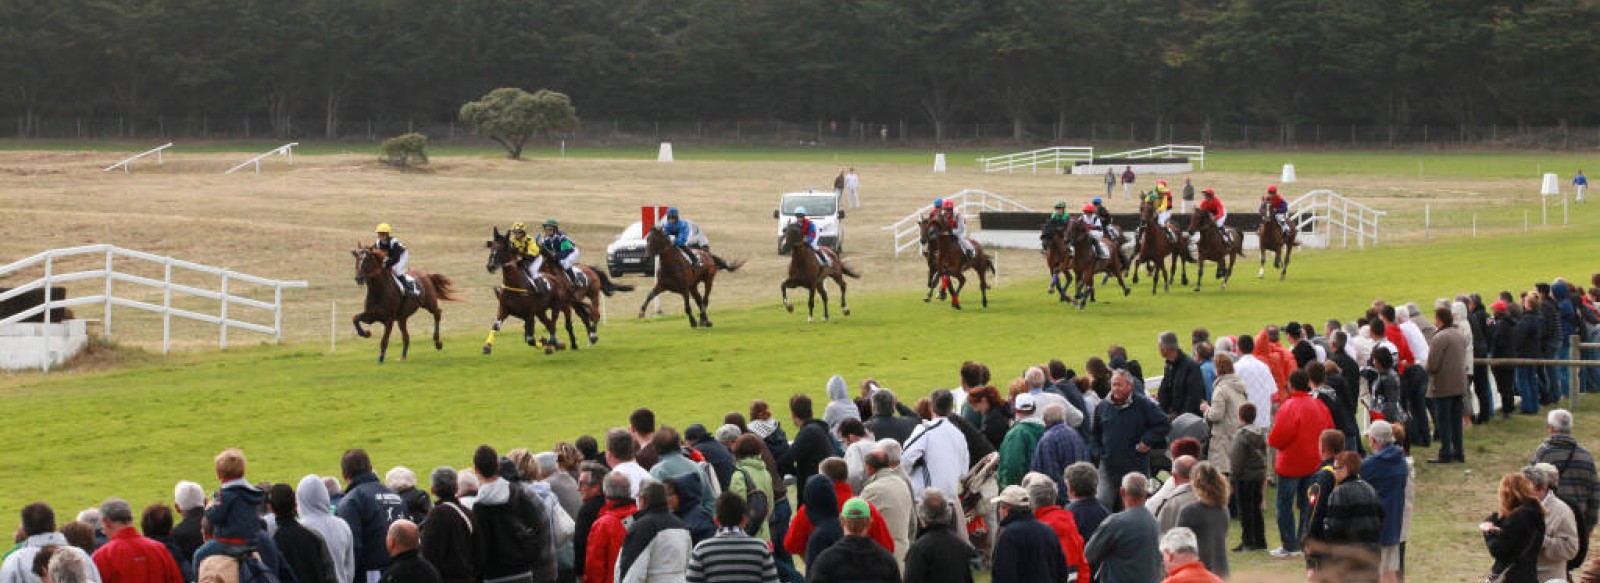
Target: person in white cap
(1016, 451)
(1026, 550)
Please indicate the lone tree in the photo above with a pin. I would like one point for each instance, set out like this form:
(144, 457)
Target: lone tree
(510, 116)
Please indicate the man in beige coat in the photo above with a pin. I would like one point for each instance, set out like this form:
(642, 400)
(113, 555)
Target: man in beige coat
(1447, 384)
(889, 490)
(1560, 525)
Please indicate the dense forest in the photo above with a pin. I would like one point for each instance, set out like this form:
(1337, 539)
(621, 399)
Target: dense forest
(304, 67)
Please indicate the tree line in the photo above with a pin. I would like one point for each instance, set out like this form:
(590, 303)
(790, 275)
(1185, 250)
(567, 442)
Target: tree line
(306, 65)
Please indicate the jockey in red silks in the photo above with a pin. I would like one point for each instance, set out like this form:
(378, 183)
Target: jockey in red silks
(809, 230)
(1277, 206)
(958, 226)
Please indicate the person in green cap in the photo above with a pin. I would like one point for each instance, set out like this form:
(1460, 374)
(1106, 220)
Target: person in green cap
(555, 244)
(1056, 223)
(856, 557)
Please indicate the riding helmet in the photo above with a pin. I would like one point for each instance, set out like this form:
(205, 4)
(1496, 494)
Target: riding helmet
(799, 211)
(519, 226)
(1097, 201)
(672, 213)
(383, 228)
(551, 223)
(1208, 192)
(1061, 204)
(1088, 208)
(949, 204)
(1273, 189)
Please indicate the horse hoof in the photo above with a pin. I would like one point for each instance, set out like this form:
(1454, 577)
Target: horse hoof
(789, 307)
(1282, 276)
(549, 350)
(380, 359)
(594, 339)
(438, 345)
(641, 314)
(363, 333)
(487, 349)
(810, 319)
(846, 311)
(926, 300)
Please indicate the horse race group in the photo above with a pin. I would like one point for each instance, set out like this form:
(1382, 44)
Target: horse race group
(542, 281)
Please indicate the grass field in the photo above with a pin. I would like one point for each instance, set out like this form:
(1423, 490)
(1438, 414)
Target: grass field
(133, 423)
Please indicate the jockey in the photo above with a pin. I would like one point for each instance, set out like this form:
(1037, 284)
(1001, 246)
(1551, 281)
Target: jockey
(958, 226)
(1105, 219)
(526, 251)
(559, 247)
(808, 229)
(1091, 219)
(679, 231)
(1213, 205)
(1162, 202)
(1057, 220)
(1277, 206)
(397, 259)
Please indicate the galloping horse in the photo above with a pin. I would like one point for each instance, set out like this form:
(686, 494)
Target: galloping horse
(1086, 262)
(807, 272)
(595, 282)
(1156, 251)
(675, 274)
(1213, 248)
(387, 303)
(1058, 258)
(518, 296)
(945, 253)
(1282, 244)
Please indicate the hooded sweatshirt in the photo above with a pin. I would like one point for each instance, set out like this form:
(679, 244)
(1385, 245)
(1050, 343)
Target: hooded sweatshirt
(656, 548)
(840, 407)
(822, 511)
(515, 533)
(18, 566)
(234, 517)
(693, 515)
(370, 507)
(314, 515)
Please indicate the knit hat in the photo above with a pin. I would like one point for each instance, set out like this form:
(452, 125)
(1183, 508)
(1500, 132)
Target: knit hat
(1012, 496)
(695, 433)
(1499, 306)
(855, 508)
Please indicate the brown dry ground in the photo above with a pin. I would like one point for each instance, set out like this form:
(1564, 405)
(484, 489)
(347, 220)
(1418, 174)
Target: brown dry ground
(299, 222)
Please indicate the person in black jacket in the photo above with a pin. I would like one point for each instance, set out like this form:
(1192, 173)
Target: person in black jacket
(1343, 544)
(156, 524)
(856, 557)
(1349, 371)
(591, 475)
(189, 499)
(1127, 425)
(302, 549)
(1183, 387)
(512, 529)
(1304, 352)
(812, 444)
(994, 414)
(683, 499)
(716, 454)
(940, 554)
(1502, 344)
(886, 423)
(1529, 343)
(407, 565)
(368, 507)
(1515, 532)
(1478, 321)
(447, 537)
(1343, 419)
(1027, 551)
(1550, 316)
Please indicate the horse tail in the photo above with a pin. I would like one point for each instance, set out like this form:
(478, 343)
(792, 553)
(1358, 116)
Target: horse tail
(441, 287)
(721, 264)
(845, 269)
(609, 288)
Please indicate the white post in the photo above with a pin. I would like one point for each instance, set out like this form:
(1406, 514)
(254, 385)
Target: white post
(48, 268)
(107, 324)
(1427, 220)
(277, 314)
(605, 316)
(166, 308)
(223, 324)
(289, 151)
(1544, 210)
(159, 161)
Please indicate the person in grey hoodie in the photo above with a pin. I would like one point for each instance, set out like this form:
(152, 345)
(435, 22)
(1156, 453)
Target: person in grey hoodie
(840, 407)
(39, 523)
(316, 514)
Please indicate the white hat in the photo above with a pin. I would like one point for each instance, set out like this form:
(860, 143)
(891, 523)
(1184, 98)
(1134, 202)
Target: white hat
(1025, 403)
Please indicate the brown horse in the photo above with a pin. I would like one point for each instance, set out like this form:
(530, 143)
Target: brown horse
(1086, 262)
(518, 296)
(1212, 247)
(925, 228)
(1280, 243)
(806, 271)
(1058, 259)
(675, 274)
(1156, 250)
(944, 250)
(595, 282)
(388, 304)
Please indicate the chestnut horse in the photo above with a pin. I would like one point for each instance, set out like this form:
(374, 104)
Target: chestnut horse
(945, 253)
(1212, 248)
(675, 274)
(1086, 262)
(1058, 258)
(388, 304)
(519, 296)
(807, 272)
(1281, 244)
(1156, 251)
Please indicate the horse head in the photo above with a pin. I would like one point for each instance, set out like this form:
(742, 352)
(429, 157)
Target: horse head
(1199, 219)
(656, 241)
(369, 262)
(793, 236)
(1076, 230)
(497, 246)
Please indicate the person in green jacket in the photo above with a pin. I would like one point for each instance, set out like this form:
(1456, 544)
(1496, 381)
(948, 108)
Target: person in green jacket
(750, 475)
(1016, 451)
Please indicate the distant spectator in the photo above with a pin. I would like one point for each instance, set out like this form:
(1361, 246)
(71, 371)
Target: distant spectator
(403, 482)
(683, 501)
(1295, 432)
(368, 507)
(732, 555)
(1222, 412)
(1042, 499)
(672, 463)
(448, 542)
(854, 557)
(1082, 480)
(1514, 532)
(642, 427)
(1183, 386)
(936, 452)
(1180, 558)
(657, 545)
(304, 551)
(889, 490)
(1386, 470)
(1124, 549)
(189, 499)
(1258, 380)
(812, 444)
(156, 523)
(1579, 485)
(234, 517)
(1448, 356)
(591, 476)
(1127, 426)
(1247, 456)
(406, 564)
(1059, 447)
(606, 536)
(1016, 451)
(514, 538)
(1026, 551)
(840, 407)
(1166, 505)
(1560, 544)
(39, 524)
(316, 514)
(129, 557)
(716, 454)
(940, 553)
(1208, 517)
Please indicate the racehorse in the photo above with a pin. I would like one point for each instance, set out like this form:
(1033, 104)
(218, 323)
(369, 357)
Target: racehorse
(519, 296)
(1156, 250)
(387, 303)
(1213, 248)
(1282, 244)
(806, 271)
(944, 252)
(925, 228)
(1086, 262)
(594, 282)
(675, 274)
(1058, 258)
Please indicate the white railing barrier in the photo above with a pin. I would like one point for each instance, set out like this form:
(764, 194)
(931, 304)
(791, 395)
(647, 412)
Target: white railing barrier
(1328, 211)
(970, 202)
(1193, 153)
(109, 274)
(1053, 158)
(124, 165)
(285, 150)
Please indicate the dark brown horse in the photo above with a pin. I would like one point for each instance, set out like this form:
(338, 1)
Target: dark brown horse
(1058, 259)
(806, 271)
(595, 282)
(675, 274)
(1156, 251)
(945, 251)
(1212, 247)
(519, 296)
(1086, 262)
(1281, 244)
(388, 304)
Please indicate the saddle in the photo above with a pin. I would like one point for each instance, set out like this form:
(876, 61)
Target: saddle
(579, 278)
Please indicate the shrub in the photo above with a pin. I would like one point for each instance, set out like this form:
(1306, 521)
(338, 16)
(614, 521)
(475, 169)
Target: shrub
(405, 151)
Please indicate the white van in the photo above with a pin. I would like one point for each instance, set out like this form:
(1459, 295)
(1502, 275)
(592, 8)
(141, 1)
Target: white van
(823, 210)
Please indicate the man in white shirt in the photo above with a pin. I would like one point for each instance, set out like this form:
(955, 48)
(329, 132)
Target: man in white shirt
(936, 453)
(852, 187)
(1259, 386)
(1414, 338)
(619, 455)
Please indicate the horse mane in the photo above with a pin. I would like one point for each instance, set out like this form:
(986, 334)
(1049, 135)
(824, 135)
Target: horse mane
(379, 253)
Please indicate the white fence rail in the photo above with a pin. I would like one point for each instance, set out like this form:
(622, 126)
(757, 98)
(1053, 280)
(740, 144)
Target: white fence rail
(1193, 153)
(165, 285)
(284, 150)
(125, 163)
(1054, 158)
(1331, 215)
(969, 201)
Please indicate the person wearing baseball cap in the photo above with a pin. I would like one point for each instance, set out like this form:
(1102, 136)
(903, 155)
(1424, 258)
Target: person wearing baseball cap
(856, 557)
(1016, 450)
(1027, 550)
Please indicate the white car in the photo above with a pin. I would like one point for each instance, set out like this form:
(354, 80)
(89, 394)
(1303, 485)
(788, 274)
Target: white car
(626, 253)
(823, 210)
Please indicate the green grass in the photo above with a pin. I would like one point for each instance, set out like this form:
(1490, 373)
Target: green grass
(76, 438)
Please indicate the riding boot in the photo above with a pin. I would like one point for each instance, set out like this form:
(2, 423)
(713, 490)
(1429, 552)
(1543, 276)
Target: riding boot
(572, 278)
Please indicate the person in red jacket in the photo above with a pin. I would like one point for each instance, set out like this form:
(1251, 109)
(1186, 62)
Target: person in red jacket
(1277, 358)
(1042, 497)
(129, 557)
(605, 537)
(800, 527)
(1296, 433)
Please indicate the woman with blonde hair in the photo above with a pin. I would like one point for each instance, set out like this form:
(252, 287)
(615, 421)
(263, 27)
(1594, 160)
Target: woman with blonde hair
(1208, 516)
(1227, 394)
(1515, 532)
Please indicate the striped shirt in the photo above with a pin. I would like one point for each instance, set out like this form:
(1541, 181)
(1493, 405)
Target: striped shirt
(732, 557)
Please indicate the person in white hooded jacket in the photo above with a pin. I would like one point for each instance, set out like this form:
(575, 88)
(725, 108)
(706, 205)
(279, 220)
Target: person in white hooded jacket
(316, 514)
(840, 407)
(39, 523)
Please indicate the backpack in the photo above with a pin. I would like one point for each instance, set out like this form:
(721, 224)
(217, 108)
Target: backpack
(756, 505)
(708, 476)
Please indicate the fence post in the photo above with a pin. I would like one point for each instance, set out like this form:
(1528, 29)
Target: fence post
(1427, 219)
(223, 321)
(48, 272)
(277, 314)
(166, 308)
(1574, 372)
(107, 324)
